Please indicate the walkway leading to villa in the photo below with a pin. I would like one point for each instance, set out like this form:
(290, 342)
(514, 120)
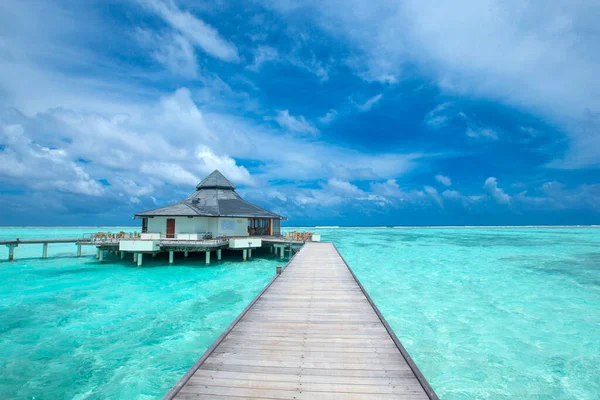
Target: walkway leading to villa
(313, 333)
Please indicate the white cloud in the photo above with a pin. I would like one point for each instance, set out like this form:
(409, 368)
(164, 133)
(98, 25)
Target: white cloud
(431, 191)
(169, 172)
(225, 164)
(444, 180)
(174, 51)
(555, 196)
(344, 188)
(369, 104)
(484, 133)
(23, 161)
(263, 54)
(195, 30)
(294, 124)
(507, 51)
(437, 118)
(329, 116)
(451, 194)
(491, 185)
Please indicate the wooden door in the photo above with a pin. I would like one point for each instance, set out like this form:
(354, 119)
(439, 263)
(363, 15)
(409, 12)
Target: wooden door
(171, 228)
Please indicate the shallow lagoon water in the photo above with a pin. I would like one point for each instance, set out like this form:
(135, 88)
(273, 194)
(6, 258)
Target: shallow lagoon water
(487, 313)
(496, 313)
(75, 328)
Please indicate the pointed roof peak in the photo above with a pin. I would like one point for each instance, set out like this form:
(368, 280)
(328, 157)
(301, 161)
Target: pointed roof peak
(216, 180)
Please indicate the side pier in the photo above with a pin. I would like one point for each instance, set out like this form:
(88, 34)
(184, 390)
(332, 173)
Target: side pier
(312, 333)
(136, 246)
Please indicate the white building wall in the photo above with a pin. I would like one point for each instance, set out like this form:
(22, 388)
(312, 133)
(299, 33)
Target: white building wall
(233, 226)
(216, 226)
(158, 225)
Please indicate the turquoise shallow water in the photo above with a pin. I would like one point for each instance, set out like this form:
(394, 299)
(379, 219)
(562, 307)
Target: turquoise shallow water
(508, 313)
(511, 313)
(74, 328)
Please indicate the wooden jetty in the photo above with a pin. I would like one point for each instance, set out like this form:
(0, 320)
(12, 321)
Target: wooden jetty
(312, 333)
(12, 244)
(275, 244)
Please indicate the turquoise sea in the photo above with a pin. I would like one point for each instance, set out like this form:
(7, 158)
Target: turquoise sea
(487, 313)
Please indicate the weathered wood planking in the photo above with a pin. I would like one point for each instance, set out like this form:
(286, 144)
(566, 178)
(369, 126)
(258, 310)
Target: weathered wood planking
(312, 333)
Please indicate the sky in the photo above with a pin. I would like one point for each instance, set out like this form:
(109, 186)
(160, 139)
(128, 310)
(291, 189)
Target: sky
(329, 112)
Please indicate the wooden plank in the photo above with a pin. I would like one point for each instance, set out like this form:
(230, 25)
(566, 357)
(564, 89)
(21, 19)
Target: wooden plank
(202, 374)
(314, 333)
(354, 373)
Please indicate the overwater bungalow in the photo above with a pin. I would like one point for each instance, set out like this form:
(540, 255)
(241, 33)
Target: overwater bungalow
(215, 209)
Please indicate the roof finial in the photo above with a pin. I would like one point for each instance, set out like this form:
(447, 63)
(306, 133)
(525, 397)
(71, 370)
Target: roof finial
(216, 180)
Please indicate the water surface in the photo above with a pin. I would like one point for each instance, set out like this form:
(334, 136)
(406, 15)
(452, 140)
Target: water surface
(487, 313)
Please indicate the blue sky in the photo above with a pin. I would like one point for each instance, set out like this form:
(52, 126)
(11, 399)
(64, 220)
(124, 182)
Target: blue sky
(348, 112)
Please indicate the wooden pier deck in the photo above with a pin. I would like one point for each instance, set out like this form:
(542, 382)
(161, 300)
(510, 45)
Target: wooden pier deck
(312, 333)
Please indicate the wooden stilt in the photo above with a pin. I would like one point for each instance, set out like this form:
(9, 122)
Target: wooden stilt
(11, 252)
(45, 250)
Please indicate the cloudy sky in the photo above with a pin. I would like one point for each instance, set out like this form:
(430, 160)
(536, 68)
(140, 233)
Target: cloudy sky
(344, 112)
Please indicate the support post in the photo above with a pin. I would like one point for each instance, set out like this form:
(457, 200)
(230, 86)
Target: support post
(11, 252)
(282, 250)
(244, 254)
(134, 257)
(185, 254)
(139, 259)
(78, 249)
(207, 257)
(219, 254)
(171, 253)
(122, 255)
(45, 251)
(250, 253)
(100, 255)
(271, 249)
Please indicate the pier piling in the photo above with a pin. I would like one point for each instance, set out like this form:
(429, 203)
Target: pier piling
(122, 255)
(139, 259)
(11, 252)
(78, 249)
(207, 257)
(45, 250)
(171, 254)
(185, 254)
(244, 254)
(219, 254)
(100, 255)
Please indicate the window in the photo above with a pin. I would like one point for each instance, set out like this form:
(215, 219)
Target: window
(276, 227)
